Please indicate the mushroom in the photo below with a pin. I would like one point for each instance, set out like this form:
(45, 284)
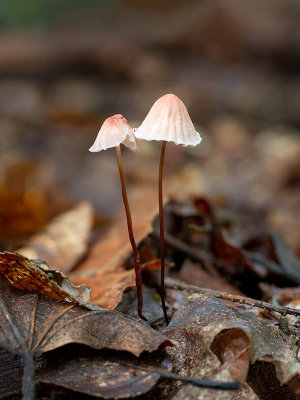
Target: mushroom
(114, 132)
(168, 121)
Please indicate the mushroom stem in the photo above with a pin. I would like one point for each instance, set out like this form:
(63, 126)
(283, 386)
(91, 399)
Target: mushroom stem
(162, 232)
(138, 278)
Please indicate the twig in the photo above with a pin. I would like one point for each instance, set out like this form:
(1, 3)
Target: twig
(194, 381)
(183, 247)
(235, 298)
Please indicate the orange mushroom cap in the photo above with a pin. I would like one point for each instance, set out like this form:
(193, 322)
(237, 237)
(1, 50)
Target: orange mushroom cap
(114, 131)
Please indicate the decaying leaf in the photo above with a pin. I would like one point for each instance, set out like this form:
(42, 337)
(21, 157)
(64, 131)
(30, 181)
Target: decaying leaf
(193, 229)
(103, 269)
(194, 274)
(26, 274)
(105, 262)
(100, 376)
(46, 324)
(107, 284)
(285, 256)
(215, 338)
(64, 240)
(11, 372)
(31, 324)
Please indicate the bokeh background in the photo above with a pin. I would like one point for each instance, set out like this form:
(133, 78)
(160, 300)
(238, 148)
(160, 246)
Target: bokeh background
(67, 66)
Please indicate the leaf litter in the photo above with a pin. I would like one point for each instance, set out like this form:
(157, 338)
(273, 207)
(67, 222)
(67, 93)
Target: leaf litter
(232, 340)
(215, 339)
(32, 324)
(64, 240)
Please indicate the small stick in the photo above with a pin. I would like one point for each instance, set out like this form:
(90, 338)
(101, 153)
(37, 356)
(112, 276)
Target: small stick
(236, 299)
(162, 232)
(194, 381)
(138, 278)
(257, 303)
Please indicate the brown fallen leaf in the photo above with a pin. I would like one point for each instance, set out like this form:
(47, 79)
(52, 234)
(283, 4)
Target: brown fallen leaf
(219, 245)
(193, 229)
(283, 296)
(102, 376)
(63, 241)
(194, 274)
(103, 269)
(31, 324)
(116, 374)
(232, 348)
(26, 274)
(11, 372)
(213, 335)
(108, 284)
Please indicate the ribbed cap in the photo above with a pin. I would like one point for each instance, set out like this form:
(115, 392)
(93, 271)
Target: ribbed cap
(169, 120)
(114, 131)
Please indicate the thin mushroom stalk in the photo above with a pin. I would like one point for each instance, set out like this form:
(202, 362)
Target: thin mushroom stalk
(168, 121)
(114, 132)
(162, 231)
(137, 267)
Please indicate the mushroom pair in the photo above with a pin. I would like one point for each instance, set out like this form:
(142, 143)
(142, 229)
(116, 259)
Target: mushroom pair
(167, 121)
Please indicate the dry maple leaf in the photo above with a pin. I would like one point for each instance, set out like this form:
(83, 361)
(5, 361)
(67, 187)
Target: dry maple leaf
(31, 324)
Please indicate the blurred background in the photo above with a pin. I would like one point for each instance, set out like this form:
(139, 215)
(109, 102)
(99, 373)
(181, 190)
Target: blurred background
(67, 66)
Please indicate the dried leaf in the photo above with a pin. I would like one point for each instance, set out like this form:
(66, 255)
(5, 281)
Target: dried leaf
(286, 257)
(220, 247)
(31, 324)
(11, 371)
(103, 269)
(26, 274)
(194, 274)
(100, 376)
(232, 348)
(46, 324)
(207, 328)
(108, 284)
(189, 392)
(64, 240)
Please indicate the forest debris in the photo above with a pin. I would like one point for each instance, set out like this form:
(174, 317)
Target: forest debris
(23, 207)
(270, 252)
(194, 274)
(11, 372)
(64, 240)
(117, 375)
(100, 376)
(199, 327)
(26, 274)
(109, 254)
(205, 241)
(192, 392)
(285, 256)
(282, 296)
(232, 348)
(177, 285)
(31, 324)
(108, 284)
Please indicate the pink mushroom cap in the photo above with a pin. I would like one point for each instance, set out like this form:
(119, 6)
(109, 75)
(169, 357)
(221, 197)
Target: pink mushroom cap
(169, 120)
(114, 131)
